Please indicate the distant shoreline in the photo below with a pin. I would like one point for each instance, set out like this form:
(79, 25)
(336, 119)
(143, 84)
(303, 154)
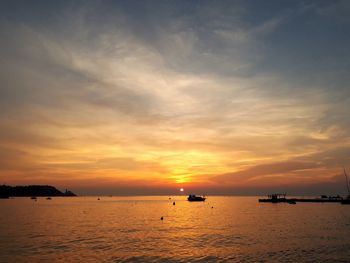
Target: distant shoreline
(32, 190)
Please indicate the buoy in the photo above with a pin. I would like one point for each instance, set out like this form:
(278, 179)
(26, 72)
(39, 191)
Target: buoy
(212, 207)
(161, 218)
(98, 198)
(173, 203)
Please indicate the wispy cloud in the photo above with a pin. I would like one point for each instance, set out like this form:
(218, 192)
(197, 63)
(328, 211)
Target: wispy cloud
(182, 93)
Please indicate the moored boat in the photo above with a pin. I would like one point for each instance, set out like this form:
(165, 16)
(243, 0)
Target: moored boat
(346, 201)
(275, 198)
(281, 198)
(194, 198)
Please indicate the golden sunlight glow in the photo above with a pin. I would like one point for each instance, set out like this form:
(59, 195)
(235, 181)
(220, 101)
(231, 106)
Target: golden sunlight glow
(127, 112)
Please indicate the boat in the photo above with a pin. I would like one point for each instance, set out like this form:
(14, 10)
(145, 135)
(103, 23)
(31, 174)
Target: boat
(281, 198)
(33, 198)
(346, 201)
(275, 198)
(194, 198)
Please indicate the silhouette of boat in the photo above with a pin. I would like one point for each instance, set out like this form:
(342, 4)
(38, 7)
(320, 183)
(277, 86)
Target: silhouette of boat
(275, 198)
(281, 198)
(33, 197)
(346, 201)
(194, 198)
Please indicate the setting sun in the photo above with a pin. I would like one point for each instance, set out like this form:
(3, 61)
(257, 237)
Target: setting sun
(181, 189)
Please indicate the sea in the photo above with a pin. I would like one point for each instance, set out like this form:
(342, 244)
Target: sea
(130, 229)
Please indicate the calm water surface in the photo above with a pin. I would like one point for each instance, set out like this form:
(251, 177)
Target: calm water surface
(129, 229)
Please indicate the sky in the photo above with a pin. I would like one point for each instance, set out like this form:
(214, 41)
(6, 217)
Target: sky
(146, 97)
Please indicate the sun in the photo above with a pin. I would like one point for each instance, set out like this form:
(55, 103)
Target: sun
(181, 189)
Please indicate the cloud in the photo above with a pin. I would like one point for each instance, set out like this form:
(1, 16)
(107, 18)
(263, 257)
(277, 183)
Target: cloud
(262, 170)
(337, 9)
(184, 91)
(316, 168)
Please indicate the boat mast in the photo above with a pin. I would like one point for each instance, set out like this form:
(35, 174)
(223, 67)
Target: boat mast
(347, 182)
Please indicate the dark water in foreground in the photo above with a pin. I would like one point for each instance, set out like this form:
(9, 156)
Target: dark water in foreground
(129, 229)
